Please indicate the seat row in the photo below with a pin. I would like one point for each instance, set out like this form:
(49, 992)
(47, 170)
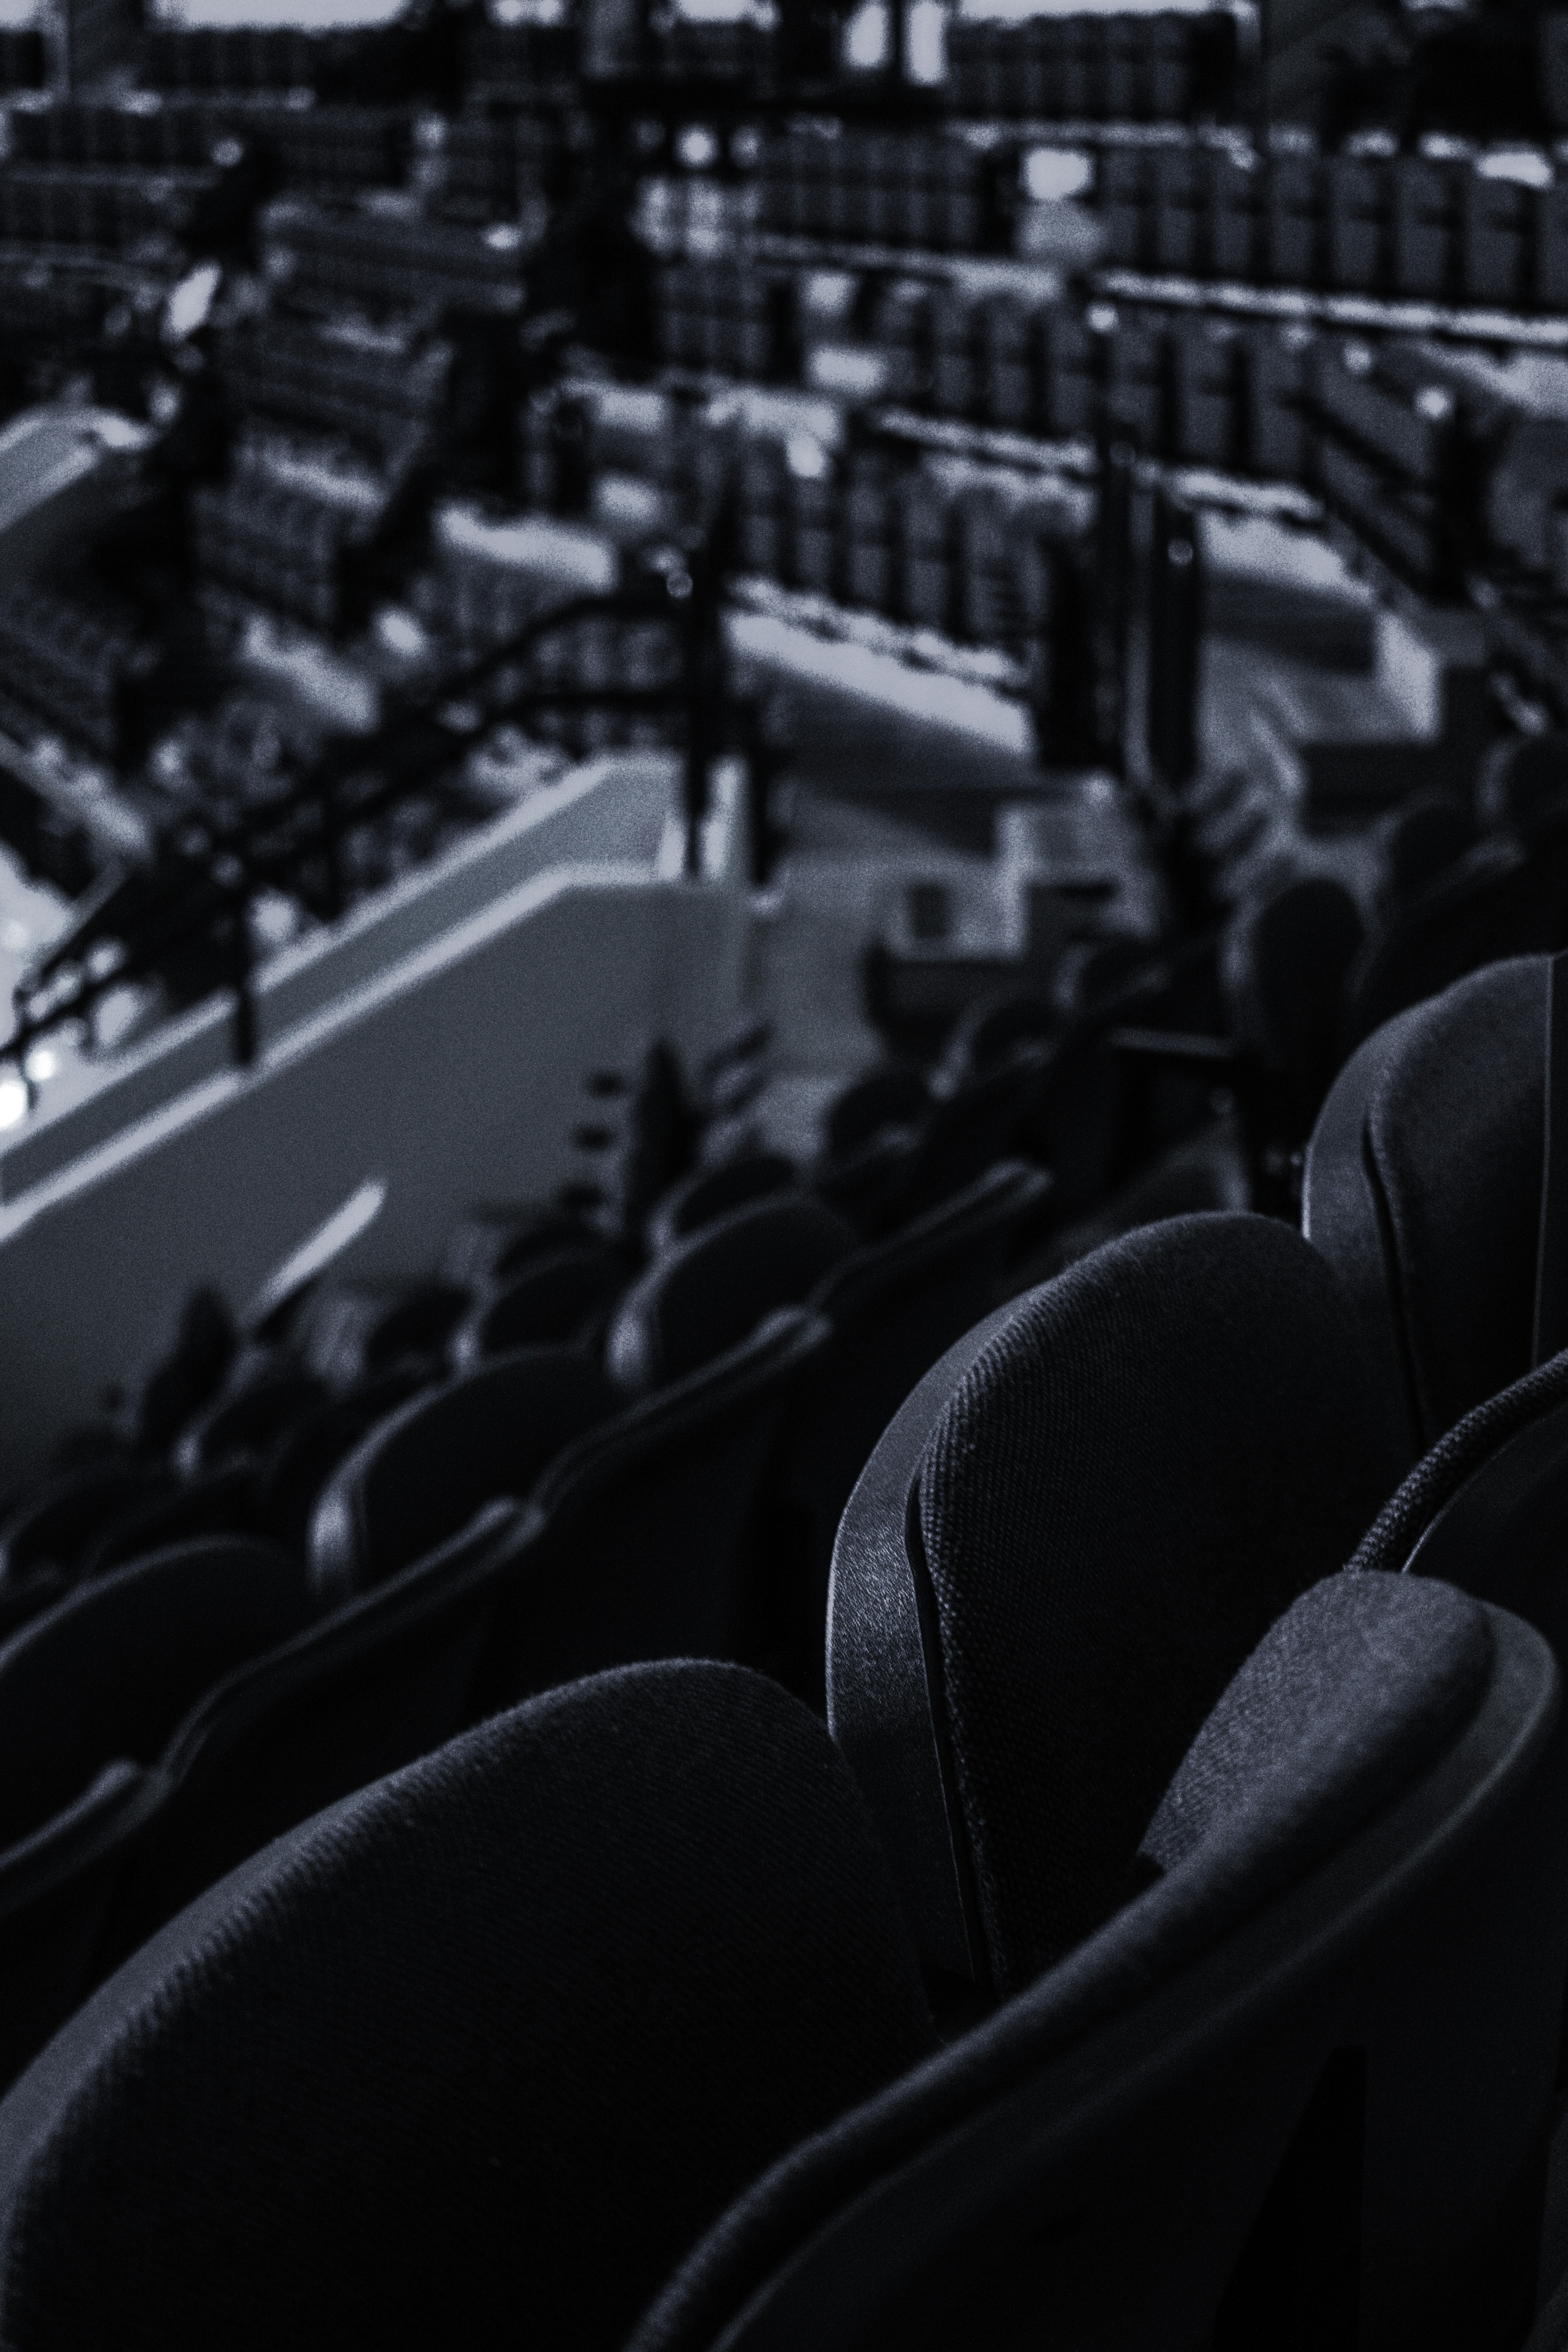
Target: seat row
(1171, 1936)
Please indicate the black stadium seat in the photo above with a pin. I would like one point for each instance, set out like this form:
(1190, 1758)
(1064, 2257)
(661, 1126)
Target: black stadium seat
(894, 1307)
(455, 2119)
(705, 1293)
(419, 1477)
(709, 1193)
(1284, 962)
(1282, 2087)
(1062, 1549)
(1423, 1191)
(630, 1546)
(557, 1297)
(457, 2082)
(89, 1693)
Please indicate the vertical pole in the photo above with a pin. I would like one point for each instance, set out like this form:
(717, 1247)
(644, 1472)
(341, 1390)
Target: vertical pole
(702, 678)
(1062, 684)
(1113, 554)
(1175, 643)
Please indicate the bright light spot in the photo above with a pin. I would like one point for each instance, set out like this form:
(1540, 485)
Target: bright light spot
(1528, 165)
(807, 460)
(927, 38)
(401, 631)
(829, 293)
(13, 1101)
(1434, 402)
(868, 40)
(323, 12)
(1054, 174)
(696, 147)
(42, 1064)
(849, 368)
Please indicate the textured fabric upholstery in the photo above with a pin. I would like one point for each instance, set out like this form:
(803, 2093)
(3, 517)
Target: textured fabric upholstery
(1360, 1686)
(1340, 1704)
(421, 1476)
(1146, 1465)
(710, 1293)
(479, 2052)
(1448, 1146)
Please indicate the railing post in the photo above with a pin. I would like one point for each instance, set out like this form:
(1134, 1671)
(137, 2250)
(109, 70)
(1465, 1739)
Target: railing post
(701, 658)
(1175, 642)
(1113, 567)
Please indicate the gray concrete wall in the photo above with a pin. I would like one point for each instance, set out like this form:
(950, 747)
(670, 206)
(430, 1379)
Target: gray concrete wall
(610, 812)
(455, 1077)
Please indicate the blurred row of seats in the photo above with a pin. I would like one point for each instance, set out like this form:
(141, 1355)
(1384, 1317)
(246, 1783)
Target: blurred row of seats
(1432, 462)
(391, 393)
(389, 260)
(359, 63)
(1162, 66)
(119, 211)
(1456, 228)
(84, 664)
(1112, 1734)
(881, 188)
(982, 562)
(1210, 390)
(292, 549)
(494, 163)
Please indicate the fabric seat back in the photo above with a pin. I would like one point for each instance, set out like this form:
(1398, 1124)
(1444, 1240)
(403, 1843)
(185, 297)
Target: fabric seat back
(710, 1292)
(895, 1306)
(1064, 1546)
(1294, 2089)
(710, 1193)
(457, 2086)
(420, 1475)
(1422, 1189)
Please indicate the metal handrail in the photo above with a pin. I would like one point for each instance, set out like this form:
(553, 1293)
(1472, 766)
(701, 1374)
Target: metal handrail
(213, 868)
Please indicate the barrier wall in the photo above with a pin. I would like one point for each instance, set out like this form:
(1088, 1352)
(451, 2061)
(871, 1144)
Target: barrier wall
(610, 812)
(454, 1075)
